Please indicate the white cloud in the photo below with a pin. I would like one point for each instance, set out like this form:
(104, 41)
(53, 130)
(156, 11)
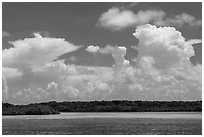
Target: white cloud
(57, 81)
(35, 51)
(92, 48)
(166, 45)
(162, 71)
(5, 34)
(167, 71)
(52, 86)
(180, 20)
(5, 95)
(118, 54)
(11, 72)
(193, 41)
(25, 64)
(52, 89)
(116, 18)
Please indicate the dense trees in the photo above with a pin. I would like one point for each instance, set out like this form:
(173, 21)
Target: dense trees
(101, 106)
(32, 109)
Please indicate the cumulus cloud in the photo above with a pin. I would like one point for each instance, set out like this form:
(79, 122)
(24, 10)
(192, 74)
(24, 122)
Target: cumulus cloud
(167, 55)
(35, 51)
(60, 82)
(24, 65)
(117, 18)
(162, 71)
(92, 48)
(118, 54)
(52, 89)
(166, 45)
(28, 95)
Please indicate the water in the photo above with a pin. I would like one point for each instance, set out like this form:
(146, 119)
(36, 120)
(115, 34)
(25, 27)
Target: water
(163, 115)
(105, 123)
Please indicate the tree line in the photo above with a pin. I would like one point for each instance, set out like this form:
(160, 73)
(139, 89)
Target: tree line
(54, 107)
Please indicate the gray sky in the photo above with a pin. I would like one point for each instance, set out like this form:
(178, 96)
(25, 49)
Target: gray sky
(91, 73)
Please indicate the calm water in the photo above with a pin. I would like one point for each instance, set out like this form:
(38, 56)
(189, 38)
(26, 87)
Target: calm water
(105, 123)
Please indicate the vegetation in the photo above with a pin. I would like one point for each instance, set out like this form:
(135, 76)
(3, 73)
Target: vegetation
(31, 109)
(53, 107)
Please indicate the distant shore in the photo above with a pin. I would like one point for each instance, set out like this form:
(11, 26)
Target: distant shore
(53, 107)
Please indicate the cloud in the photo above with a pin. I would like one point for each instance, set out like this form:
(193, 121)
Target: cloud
(92, 48)
(118, 54)
(117, 18)
(133, 4)
(180, 20)
(25, 64)
(166, 45)
(11, 72)
(165, 57)
(52, 89)
(5, 34)
(193, 41)
(35, 51)
(127, 5)
(162, 71)
(60, 82)
(37, 95)
(5, 95)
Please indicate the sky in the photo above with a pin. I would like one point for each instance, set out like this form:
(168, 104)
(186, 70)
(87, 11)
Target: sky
(101, 51)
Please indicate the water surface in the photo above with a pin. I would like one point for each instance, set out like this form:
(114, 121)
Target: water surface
(161, 115)
(133, 123)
